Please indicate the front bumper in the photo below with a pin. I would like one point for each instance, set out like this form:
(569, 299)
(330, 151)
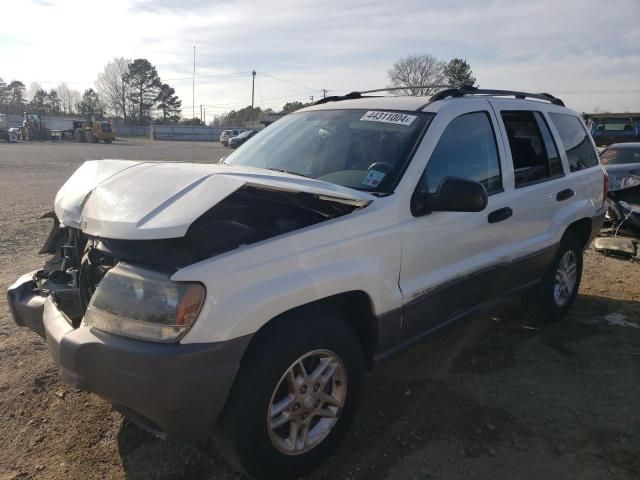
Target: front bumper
(172, 390)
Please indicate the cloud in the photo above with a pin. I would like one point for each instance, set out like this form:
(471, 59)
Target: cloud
(543, 45)
(175, 6)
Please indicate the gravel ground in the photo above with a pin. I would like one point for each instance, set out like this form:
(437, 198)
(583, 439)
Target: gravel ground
(502, 396)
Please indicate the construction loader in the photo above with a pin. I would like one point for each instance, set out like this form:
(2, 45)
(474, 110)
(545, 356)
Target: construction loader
(92, 131)
(33, 128)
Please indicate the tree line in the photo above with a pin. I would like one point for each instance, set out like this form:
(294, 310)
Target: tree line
(133, 91)
(128, 89)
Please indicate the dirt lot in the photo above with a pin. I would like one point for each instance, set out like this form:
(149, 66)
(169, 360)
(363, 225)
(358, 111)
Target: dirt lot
(502, 396)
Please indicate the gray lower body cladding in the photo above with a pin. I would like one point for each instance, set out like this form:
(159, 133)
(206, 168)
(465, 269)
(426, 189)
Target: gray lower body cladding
(173, 390)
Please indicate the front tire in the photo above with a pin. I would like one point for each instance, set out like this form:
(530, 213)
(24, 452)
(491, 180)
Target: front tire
(295, 397)
(559, 287)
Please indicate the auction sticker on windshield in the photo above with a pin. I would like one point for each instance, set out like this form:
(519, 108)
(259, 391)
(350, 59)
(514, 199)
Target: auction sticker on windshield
(388, 117)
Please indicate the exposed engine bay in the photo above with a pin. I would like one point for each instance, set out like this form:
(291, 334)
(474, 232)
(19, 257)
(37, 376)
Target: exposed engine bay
(247, 216)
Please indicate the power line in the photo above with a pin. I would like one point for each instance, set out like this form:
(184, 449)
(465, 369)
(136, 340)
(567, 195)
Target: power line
(292, 83)
(217, 75)
(593, 92)
(75, 82)
(241, 103)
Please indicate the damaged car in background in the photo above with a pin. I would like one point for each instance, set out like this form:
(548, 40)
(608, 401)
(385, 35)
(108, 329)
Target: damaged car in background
(621, 234)
(244, 301)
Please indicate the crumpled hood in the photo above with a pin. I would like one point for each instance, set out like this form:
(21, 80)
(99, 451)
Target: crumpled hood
(131, 200)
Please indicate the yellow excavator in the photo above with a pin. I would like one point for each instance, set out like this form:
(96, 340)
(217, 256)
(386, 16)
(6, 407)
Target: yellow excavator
(93, 131)
(33, 129)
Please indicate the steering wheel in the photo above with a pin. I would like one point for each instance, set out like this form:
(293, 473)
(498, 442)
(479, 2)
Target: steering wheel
(384, 167)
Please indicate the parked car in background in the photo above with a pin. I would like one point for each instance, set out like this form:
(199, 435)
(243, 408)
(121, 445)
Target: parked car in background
(608, 128)
(238, 140)
(14, 134)
(249, 306)
(226, 135)
(622, 164)
(621, 154)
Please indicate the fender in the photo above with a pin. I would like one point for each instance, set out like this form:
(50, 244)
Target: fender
(240, 301)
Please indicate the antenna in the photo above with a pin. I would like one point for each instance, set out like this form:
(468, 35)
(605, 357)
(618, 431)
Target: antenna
(409, 87)
(253, 84)
(193, 108)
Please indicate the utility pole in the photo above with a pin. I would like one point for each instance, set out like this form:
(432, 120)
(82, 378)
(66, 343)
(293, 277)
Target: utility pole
(324, 93)
(253, 85)
(204, 116)
(193, 107)
(193, 88)
(201, 118)
(124, 101)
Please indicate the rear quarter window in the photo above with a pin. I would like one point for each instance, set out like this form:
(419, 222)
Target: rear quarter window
(576, 141)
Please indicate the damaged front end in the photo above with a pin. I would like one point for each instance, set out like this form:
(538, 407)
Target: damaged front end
(59, 279)
(620, 236)
(102, 220)
(105, 301)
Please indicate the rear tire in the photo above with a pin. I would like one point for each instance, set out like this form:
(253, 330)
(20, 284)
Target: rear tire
(274, 400)
(559, 287)
(79, 136)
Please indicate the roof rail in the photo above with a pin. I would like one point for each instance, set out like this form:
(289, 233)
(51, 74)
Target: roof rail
(337, 98)
(468, 90)
(362, 94)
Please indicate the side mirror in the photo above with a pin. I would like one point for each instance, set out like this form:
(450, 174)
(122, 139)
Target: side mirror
(453, 195)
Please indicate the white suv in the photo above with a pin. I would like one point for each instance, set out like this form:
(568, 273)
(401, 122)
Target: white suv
(226, 135)
(247, 299)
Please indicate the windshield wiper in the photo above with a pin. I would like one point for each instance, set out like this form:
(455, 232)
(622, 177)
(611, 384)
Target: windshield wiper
(282, 170)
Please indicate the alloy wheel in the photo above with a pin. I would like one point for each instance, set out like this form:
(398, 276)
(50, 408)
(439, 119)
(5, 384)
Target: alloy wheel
(307, 401)
(565, 279)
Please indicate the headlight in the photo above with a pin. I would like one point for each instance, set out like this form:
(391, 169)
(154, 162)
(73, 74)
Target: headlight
(140, 303)
(621, 182)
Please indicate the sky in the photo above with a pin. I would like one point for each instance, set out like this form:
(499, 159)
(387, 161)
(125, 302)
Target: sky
(585, 52)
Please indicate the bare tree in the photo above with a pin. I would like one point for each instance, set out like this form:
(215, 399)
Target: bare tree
(416, 71)
(34, 87)
(68, 98)
(112, 88)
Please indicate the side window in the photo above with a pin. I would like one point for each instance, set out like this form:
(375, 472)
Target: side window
(580, 151)
(466, 149)
(534, 154)
(555, 164)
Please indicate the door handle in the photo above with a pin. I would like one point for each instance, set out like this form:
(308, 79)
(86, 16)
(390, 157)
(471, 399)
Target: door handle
(500, 215)
(565, 194)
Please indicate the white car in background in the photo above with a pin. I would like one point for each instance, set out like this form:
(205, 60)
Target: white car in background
(246, 300)
(226, 135)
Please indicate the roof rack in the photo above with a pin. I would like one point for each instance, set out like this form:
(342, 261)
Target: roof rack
(337, 98)
(362, 94)
(468, 90)
(448, 92)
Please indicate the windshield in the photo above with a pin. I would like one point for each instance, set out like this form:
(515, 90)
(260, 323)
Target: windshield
(619, 156)
(354, 148)
(614, 125)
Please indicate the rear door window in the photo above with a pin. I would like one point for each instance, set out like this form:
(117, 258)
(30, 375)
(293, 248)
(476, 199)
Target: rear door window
(467, 149)
(533, 151)
(576, 141)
